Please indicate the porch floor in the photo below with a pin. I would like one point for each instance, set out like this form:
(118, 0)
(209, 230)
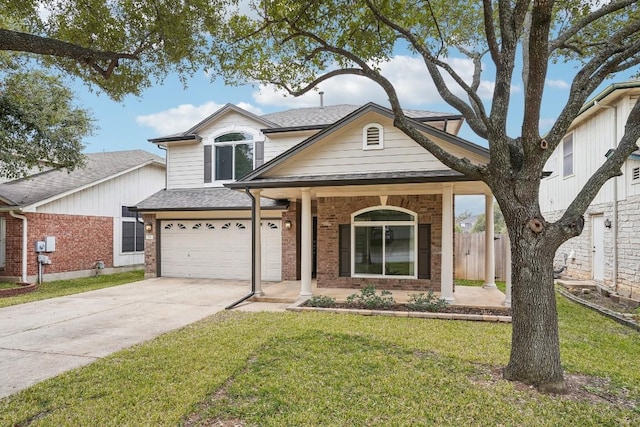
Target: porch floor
(289, 291)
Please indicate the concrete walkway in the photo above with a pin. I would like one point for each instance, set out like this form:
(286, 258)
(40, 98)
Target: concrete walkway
(42, 339)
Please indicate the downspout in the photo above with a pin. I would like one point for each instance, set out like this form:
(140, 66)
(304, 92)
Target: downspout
(253, 253)
(614, 228)
(24, 244)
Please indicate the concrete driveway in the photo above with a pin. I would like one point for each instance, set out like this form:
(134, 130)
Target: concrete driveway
(42, 339)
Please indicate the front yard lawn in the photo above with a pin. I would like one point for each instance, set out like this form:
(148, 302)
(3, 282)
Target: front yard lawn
(58, 288)
(316, 369)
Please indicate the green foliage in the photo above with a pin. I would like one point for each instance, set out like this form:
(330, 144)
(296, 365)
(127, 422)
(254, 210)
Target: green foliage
(367, 298)
(321, 301)
(426, 302)
(134, 43)
(39, 125)
(499, 226)
(311, 369)
(58, 288)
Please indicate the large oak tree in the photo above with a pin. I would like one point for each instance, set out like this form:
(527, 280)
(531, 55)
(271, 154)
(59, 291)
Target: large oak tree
(298, 45)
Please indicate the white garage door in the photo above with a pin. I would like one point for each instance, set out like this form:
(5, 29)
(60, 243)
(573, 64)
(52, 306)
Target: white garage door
(218, 249)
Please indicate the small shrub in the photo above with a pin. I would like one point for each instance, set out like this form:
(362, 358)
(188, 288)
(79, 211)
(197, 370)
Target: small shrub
(321, 301)
(367, 298)
(426, 302)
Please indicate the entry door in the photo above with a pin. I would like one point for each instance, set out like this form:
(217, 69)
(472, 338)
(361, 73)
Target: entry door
(597, 240)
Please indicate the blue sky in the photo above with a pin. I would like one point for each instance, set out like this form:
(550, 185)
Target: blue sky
(169, 107)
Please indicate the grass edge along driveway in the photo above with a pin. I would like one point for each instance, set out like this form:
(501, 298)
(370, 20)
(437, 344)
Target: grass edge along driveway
(325, 369)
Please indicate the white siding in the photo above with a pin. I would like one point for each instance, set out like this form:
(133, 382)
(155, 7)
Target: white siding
(591, 141)
(185, 166)
(276, 145)
(107, 199)
(342, 153)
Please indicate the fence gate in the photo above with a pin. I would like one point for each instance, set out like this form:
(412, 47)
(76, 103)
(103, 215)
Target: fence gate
(469, 255)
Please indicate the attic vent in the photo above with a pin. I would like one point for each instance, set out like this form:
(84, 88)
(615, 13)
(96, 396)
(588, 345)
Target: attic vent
(635, 174)
(372, 137)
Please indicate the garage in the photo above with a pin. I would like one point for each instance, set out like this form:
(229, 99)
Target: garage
(218, 249)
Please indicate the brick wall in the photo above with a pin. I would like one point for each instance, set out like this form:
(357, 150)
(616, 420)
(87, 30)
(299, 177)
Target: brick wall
(333, 211)
(150, 247)
(290, 243)
(80, 242)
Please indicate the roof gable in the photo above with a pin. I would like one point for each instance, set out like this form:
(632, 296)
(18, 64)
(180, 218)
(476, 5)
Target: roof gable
(52, 184)
(308, 158)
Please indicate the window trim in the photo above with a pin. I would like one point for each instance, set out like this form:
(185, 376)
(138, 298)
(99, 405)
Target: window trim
(210, 141)
(564, 156)
(365, 137)
(127, 218)
(413, 223)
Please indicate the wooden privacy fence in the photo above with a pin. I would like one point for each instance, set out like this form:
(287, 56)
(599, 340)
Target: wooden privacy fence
(469, 255)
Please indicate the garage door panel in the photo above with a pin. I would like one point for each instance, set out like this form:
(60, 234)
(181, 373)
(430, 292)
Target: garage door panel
(218, 249)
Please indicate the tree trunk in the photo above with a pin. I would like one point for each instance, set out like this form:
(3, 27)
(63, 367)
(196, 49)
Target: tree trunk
(535, 345)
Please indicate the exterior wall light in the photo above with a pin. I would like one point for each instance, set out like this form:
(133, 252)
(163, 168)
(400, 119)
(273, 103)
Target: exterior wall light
(287, 225)
(607, 223)
(148, 227)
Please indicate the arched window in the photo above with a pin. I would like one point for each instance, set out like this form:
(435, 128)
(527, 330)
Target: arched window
(384, 242)
(233, 155)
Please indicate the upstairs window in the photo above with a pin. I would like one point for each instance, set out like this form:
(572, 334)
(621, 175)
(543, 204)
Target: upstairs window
(233, 157)
(567, 156)
(373, 137)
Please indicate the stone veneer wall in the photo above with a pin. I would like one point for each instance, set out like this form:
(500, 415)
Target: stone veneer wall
(150, 245)
(333, 211)
(628, 246)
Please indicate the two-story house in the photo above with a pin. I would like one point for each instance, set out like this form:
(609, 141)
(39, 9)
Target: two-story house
(340, 195)
(608, 250)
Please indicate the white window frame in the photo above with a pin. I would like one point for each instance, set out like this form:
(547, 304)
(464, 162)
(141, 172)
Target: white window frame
(131, 219)
(211, 141)
(564, 155)
(365, 139)
(383, 224)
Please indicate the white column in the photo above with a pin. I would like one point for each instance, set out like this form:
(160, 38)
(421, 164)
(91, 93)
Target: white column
(306, 242)
(489, 246)
(507, 270)
(258, 242)
(446, 262)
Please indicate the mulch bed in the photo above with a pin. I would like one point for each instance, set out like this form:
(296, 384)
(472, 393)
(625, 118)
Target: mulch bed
(455, 309)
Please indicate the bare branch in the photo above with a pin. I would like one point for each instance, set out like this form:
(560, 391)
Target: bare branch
(490, 30)
(316, 82)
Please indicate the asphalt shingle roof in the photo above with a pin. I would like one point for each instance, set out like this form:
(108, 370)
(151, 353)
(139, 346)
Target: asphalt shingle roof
(329, 115)
(49, 183)
(211, 198)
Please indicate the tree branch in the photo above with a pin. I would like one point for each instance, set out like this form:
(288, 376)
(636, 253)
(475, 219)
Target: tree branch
(23, 42)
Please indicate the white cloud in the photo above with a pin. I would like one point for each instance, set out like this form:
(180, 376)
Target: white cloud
(558, 84)
(545, 124)
(408, 74)
(185, 116)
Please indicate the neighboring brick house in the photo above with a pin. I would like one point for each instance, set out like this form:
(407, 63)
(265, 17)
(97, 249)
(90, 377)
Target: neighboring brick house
(85, 211)
(340, 194)
(608, 250)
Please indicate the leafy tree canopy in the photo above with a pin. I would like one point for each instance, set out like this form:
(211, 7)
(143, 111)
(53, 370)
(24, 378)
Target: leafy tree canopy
(120, 46)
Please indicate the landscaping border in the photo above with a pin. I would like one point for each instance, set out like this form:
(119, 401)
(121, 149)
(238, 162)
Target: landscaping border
(415, 314)
(21, 288)
(604, 311)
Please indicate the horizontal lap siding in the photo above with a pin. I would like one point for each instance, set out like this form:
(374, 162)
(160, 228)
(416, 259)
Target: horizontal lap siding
(185, 164)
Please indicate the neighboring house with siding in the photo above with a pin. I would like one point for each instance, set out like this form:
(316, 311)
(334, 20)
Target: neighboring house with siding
(608, 250)
(340, 195)
(86, 211)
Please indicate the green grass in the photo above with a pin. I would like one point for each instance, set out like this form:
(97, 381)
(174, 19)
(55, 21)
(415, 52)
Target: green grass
(60, 288)
(464, 282)
(315, 369)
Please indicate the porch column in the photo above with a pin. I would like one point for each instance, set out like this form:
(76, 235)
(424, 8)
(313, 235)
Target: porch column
(257, 270)
(446, 262)
(489, 246)
(507, 272)
(306, 242)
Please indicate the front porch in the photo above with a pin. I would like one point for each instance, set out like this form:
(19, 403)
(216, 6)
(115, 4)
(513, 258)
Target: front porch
(468, 296)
